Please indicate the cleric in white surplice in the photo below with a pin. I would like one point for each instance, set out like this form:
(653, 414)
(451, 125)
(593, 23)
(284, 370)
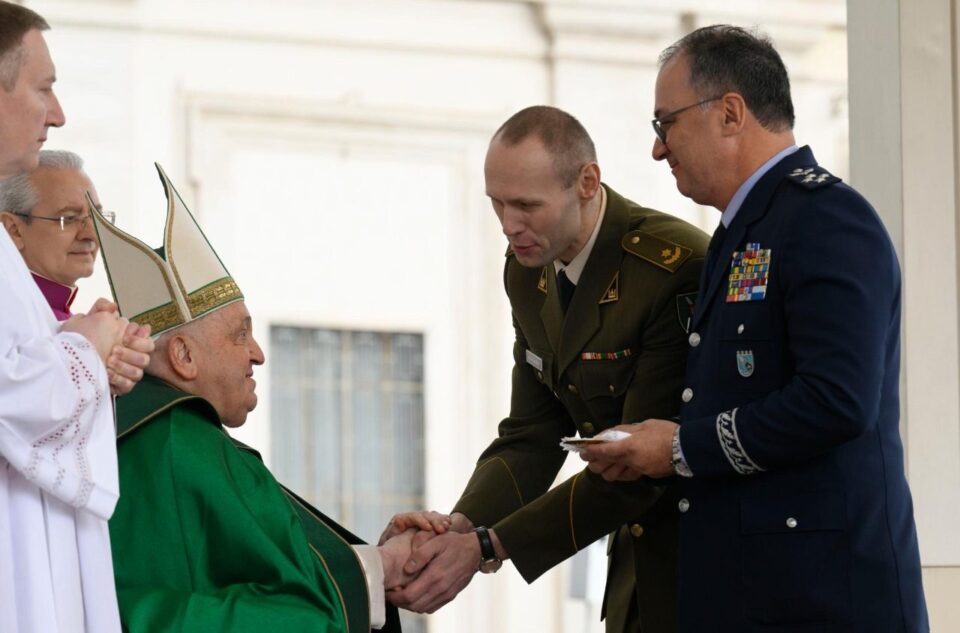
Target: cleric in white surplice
(58, 467)
(58, 462)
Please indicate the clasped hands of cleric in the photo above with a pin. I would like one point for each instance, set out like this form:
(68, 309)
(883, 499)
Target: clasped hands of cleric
(445, 553)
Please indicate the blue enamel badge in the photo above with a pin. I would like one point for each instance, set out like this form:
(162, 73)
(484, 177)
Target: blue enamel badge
(745, 362)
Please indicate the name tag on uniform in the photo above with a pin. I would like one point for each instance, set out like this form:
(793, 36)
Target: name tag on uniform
(534, 361)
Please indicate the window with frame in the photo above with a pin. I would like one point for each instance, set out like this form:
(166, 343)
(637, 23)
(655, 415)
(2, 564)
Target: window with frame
(347, 424)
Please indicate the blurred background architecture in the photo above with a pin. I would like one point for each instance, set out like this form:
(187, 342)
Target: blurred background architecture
(333, 152)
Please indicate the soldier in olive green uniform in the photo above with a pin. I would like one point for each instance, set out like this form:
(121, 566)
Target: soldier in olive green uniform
(610, 349)
(617, 356)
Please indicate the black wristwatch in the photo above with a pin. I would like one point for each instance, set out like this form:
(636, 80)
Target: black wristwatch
(489, 563)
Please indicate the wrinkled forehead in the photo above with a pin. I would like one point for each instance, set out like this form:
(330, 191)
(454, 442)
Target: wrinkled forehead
(521, 164)
(229, 317)
(236, 312)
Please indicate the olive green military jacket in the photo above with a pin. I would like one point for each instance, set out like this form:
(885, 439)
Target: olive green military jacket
(617, 356)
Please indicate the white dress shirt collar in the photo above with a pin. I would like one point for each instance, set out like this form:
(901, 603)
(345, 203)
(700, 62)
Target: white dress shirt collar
(575, 268)
(737, 200)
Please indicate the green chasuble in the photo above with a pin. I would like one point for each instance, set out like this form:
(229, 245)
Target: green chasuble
(205, 539)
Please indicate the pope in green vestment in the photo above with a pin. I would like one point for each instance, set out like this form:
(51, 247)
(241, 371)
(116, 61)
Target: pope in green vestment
(205, 539)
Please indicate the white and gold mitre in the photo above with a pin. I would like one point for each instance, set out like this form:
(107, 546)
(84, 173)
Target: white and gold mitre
(172, 285)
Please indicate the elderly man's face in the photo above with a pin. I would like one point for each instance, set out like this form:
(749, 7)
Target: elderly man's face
(27, 111)
(61, 255)
(227, 353)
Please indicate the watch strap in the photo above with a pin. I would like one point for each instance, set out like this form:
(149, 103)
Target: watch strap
(678, 461)
(486, 544)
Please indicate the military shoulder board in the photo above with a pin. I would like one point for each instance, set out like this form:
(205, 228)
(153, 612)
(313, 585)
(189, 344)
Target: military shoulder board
(812, 177)
(658, 251)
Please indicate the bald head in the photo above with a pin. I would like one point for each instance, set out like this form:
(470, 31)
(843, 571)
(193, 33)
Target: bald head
(562, 135)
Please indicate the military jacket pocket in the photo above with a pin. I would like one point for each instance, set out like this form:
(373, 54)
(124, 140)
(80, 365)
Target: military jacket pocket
(804, 512)
(746, 361)
(540, 363)
(606, 378)
(794, 559)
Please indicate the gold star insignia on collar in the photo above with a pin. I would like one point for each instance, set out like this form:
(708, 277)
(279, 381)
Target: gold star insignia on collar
(612, 292)
(542, 284)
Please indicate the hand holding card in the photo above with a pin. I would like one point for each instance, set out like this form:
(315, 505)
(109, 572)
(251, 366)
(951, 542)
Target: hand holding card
(577, 444)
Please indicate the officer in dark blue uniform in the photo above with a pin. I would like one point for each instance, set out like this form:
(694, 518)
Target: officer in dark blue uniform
(795, 511)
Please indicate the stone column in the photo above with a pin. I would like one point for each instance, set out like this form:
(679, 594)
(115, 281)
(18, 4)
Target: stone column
(903, 157)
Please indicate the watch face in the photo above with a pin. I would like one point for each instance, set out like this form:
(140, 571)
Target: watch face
(490, 565)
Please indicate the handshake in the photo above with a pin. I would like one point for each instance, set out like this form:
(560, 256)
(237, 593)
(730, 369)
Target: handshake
(428, 558)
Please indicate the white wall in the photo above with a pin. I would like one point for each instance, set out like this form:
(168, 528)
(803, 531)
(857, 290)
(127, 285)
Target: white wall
(904, 136)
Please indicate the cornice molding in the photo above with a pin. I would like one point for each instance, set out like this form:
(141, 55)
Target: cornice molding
(634, 32)
(623, 32)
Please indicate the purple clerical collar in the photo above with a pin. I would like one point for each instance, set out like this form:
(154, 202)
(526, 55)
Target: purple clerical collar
(59, 297)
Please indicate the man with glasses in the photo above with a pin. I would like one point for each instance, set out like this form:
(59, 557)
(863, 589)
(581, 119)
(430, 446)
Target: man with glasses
(601, 291)
(45, 212)
(795, 512)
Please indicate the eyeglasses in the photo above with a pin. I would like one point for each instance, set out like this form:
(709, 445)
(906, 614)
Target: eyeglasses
(73, 222)
(660, 120)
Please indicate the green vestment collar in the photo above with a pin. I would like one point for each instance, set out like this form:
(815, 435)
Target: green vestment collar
(329, 541)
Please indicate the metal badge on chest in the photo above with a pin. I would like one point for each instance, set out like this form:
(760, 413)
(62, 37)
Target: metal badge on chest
(745, 362)
(747, 281)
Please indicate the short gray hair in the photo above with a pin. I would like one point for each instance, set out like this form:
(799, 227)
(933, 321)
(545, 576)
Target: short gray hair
(725, 58)
(19, 196)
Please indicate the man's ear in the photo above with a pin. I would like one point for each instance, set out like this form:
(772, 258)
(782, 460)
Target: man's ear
(734, 113)
(12, 226)
(588, 181)
(182, 357)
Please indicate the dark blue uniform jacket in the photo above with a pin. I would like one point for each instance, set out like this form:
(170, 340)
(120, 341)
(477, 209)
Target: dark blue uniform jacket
(798, 517)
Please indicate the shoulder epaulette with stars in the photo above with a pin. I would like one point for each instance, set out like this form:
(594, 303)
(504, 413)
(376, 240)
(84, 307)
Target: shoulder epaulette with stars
(812, 177)
(656, 250)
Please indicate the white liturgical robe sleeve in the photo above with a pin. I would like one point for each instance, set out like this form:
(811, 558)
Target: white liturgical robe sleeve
(58, 468)
(56, 421)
